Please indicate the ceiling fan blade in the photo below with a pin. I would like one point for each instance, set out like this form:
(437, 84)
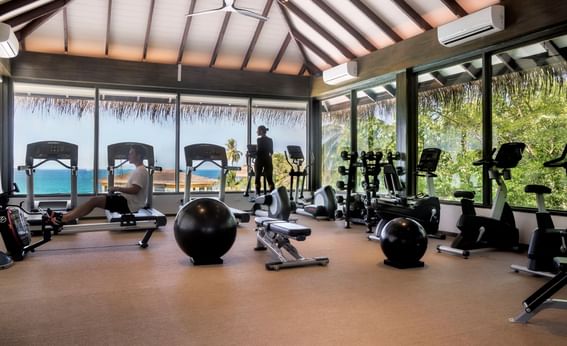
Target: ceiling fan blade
(249, 13)
(220, 9)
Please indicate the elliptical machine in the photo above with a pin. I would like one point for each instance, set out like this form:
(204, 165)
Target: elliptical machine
(546, 242)
(499, 229)
(324, 203)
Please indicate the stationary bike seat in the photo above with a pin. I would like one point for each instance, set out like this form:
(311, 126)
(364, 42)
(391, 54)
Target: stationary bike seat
(464, 194)
(539, 189)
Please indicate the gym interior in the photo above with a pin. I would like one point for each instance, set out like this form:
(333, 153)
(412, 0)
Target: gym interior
(412, 89)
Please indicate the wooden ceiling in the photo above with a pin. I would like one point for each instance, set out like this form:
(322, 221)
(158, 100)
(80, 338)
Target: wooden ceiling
(300, 36)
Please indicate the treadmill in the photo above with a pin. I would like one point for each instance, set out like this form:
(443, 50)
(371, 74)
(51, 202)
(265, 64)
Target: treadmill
(119, 152)
(216, 155)
(46, 151)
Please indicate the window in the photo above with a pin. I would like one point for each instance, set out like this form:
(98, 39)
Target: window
(335, 119)
(215, 120)
(136, 116)
(376, 112)
(287, 124)
(529, 105)
(450, 118)
(56, 113)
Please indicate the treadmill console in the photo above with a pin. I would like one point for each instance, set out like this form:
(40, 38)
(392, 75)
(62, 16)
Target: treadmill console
(205, 152)
(52, 150)
(252, 150)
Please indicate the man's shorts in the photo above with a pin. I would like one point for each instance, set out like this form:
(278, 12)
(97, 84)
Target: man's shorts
(117, 204)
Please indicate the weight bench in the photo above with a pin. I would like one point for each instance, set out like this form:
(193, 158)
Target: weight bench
(275, 234)
(541, 299)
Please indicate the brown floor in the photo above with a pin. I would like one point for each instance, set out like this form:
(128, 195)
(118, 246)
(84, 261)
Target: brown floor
(96, 288)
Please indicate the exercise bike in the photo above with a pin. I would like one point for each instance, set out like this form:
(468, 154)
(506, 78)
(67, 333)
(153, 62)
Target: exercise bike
(546, 242)
(498, 231)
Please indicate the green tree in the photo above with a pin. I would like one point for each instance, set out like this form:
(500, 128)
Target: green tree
(233, 155)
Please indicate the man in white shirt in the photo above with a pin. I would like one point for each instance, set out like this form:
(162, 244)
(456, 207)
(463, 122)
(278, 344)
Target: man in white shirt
(131, 198)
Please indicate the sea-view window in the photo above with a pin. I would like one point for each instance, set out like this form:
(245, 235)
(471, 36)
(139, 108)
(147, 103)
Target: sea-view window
(335, 119)
(215, 120)
(287, 124)
(376, 121)
(54, 113)
(136, 116)
(450, 118)
(529, 105)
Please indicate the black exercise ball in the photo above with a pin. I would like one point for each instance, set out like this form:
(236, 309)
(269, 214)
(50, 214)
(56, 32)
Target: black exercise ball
(403, 242)
(205, 230)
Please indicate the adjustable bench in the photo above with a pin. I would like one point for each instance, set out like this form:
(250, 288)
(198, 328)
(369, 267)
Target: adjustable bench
(275, 234)
(541, 299)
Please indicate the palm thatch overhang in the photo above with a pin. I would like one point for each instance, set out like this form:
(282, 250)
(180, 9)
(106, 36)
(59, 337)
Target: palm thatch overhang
(381, 109)
(157, 111)
(526, 84)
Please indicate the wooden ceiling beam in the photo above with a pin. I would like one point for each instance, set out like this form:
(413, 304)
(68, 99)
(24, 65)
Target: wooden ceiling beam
(390, 90)
(220, 39)
(281, 53)
(302, 70)
(439, 78)
(148, 29)
(413, 15)
(259, 28)
(472, 71)
(320, 30)
(455, 8)
(185, 32)
(107, 38)
(37, 13)
(10, 6)
(310, 66)
(346, 25)
(376, 20)
(553, 50)
(31, 27)
(509, 62)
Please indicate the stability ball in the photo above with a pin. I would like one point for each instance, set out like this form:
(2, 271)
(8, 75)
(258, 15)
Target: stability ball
(205, 229)
(403, 242)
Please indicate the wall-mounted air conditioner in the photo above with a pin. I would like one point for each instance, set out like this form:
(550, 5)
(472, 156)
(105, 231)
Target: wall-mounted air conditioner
(481, 23)
(340, 73)
(9, 45)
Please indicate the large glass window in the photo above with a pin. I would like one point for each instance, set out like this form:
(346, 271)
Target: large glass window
(529, 104)
(215, 120)
(136, 116)
(450, 118)
(335, 120)
(376, 124)
(287, 124)
(54, 113)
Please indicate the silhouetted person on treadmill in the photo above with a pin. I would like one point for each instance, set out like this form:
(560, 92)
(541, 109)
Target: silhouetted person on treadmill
(263, 164)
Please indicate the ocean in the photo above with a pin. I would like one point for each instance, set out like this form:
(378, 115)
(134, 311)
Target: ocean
(58, 181)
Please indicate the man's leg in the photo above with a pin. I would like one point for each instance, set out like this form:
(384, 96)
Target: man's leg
(85, 209)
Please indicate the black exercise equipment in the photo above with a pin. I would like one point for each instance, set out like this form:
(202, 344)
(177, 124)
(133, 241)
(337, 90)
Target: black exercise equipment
(215, 154)
(499, 230)
(404, 242)
(277, 202)
(15, 231)
(297, 173)
(425, 209)
(275, 235)
(541, 298)
(205, 230)
(353, 205)
(546, 242)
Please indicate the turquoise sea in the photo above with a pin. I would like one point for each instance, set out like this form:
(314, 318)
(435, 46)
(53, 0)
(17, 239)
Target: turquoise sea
(54, 181)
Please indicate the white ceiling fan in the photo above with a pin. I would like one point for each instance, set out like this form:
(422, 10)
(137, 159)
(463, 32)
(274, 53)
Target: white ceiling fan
(228, 6)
